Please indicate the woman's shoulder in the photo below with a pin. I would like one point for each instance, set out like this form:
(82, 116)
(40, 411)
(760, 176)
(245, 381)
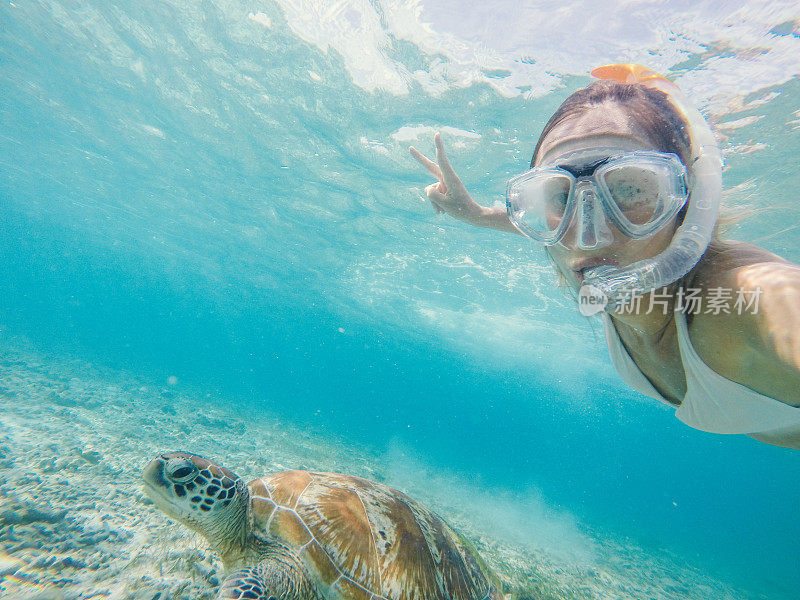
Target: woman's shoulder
(740, 269)
(724, 260)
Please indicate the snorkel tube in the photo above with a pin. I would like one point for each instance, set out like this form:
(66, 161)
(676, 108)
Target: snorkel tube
(618, 284)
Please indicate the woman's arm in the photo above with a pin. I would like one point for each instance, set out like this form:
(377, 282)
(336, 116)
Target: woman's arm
(774, 332)
(450, 196)
(756, 343)
(775, 328)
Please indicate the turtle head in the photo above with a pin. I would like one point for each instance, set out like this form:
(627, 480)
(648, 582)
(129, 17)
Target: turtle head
(204, 496)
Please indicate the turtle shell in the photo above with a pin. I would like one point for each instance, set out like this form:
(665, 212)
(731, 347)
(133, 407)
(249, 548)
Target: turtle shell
(361, 540)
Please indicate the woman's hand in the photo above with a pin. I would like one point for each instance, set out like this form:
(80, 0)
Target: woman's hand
(449, 195)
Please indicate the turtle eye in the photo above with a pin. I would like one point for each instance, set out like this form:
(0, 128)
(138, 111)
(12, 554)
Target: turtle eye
(180, 470)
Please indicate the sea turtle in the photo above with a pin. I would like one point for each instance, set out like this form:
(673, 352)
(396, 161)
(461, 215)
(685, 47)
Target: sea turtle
(302, 535)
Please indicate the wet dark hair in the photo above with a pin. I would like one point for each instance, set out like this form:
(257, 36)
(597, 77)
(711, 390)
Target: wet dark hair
(649, 110)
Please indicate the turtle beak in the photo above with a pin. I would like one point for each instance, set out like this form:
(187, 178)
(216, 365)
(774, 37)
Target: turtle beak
(159, 490)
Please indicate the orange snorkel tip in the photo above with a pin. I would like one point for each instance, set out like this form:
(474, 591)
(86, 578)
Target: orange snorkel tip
(631, 73)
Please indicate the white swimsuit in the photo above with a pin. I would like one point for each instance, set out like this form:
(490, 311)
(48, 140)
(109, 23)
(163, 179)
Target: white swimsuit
(712, 402)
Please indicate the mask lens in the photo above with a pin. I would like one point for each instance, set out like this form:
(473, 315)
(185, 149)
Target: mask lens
(639, 192)
(540, 202)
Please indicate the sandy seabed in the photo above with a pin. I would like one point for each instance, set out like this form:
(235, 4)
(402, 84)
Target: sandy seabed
(74, 523)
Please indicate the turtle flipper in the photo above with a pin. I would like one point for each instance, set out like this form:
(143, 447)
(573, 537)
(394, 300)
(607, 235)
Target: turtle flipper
(244, 584)
(280, 577)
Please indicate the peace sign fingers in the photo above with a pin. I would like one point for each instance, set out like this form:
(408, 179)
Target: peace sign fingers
(431, 166)
(448, 175)
(448, 194)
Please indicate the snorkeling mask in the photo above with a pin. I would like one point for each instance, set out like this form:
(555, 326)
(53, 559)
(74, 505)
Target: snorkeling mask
(533, 195)
(639, 192)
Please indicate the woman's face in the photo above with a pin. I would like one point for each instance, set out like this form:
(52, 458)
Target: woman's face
(608, 128)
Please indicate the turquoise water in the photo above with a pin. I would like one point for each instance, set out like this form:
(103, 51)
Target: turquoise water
(222, 193)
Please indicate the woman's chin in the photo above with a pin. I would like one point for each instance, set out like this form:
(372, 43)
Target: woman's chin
(575, 282)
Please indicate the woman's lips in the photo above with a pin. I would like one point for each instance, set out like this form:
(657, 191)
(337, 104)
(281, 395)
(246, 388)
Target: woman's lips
(579, 267)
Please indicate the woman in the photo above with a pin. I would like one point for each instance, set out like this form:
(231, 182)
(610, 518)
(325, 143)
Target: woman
(623, 193)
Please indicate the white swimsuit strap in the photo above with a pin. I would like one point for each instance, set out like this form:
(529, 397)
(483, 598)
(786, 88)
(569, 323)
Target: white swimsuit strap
(716, 404)
(712, 402)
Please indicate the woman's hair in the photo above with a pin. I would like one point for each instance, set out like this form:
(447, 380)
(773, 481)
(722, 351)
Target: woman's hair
(649, 111)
